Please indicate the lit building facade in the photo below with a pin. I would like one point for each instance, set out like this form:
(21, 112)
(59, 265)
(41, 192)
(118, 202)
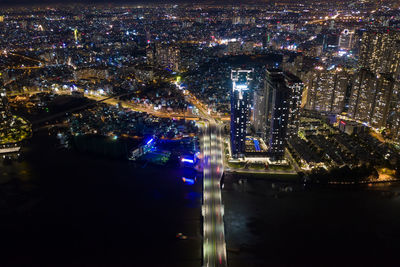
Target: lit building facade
(371, 98)
(393, 122)
(380, 51)
(259, 112)
(3, 103)
(296, 87)
(327, 89)
(241, 84)
(381, 103)
(346, 40)
(277, 112)
(362, 95)
(167, 56)
(374, 97)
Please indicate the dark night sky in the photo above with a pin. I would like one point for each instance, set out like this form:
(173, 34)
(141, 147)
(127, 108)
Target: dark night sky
(38, 2)
(35, 2)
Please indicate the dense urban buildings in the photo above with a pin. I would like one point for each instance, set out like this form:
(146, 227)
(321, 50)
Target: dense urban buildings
(195, 115)
(327, 89)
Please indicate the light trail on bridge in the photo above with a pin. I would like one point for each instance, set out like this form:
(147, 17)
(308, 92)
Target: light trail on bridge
(214, 246)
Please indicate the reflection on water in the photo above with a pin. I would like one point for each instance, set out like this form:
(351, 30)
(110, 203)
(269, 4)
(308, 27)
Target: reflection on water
(16, 170)
(59, 204)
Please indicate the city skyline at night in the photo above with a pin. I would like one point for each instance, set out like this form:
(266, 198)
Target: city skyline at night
(208, 133)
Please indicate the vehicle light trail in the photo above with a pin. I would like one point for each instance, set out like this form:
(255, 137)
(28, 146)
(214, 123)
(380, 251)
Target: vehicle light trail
(214, 247)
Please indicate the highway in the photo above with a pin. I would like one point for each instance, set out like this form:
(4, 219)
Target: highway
(214, 246)
(113, 100)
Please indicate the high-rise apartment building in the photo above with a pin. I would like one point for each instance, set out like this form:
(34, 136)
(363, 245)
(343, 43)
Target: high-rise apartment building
(327, 88)
(296, 87)
(167, 56)
(382, 99)
(259, 112)
(3, 103)
(380, 51)
(277, 112)
(393, 121)
(370, 99)
(241, 83)
(362, 95)
(374, 95)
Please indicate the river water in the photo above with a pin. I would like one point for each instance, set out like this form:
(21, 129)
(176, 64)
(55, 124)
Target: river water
(61, 208)
(274, 224)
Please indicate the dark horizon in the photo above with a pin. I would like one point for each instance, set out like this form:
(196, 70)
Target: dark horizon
(11, 3)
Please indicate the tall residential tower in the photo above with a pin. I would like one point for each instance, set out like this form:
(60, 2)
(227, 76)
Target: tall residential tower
(278, 96)
(241, 80)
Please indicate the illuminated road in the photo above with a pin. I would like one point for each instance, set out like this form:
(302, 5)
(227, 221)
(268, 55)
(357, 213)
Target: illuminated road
(25, 57)
(214, 247)
(321, 20)
(113, 100)
(203, 109)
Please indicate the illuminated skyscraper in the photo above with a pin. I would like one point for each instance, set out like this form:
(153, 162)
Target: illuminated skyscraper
(327, 88)
(3, 102)
(346, 40)
(362, 95)
(371, 98)
(277, 112)
(259, 112)
(381, 105)
(241, 80)
(380, 51)
(374, 95)
(276, 109)
(393, 122)
(315, 79)
(296, 87)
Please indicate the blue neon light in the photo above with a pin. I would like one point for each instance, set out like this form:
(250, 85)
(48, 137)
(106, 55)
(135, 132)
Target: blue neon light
(188, 181)
(256, 144)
